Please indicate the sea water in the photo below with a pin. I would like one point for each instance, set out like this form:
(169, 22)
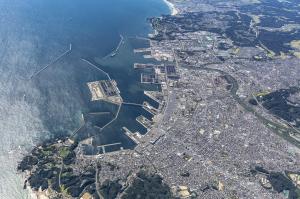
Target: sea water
(33, 33)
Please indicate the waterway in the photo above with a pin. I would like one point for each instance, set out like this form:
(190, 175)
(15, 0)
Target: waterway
(34, 33)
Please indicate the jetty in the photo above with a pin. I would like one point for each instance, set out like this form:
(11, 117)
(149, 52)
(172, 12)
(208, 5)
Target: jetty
(139, 37)
(132, 104)
(135, 137)
(97, 68)
(150, 108)
(116, 50)
(99, 113)
(155, 95)
(145, 66)
(106, 145)
(144, 122)
(117, 115)
(141, 50)
(52, 62)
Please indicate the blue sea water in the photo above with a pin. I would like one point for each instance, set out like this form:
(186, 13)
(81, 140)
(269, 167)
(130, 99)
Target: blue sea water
(33, 33)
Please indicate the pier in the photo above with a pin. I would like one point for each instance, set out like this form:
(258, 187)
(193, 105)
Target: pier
(141, 50)
(135, 137)
(145, 66)
(132, 104)
(141, 38)
(150, 94)
(117, 115)
(119, 45)
(150, 79)
(99, 113)
(106, 145)
(51, 63)
(116, 50)
(144, 122)
(76, 131)
(150, 108)
(94, 66)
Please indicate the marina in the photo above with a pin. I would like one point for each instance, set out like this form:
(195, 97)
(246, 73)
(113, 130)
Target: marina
(58, 50)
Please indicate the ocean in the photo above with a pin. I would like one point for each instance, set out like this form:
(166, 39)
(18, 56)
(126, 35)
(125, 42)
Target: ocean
(33, 108)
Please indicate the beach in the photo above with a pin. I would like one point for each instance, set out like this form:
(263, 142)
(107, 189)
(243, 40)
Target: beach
(173, 9)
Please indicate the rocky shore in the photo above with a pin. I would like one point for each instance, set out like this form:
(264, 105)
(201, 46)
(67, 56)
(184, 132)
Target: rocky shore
(54, 171)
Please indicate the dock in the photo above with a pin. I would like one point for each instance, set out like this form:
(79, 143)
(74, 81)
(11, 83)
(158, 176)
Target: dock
(132, 104)
(106, 145)
(135, 137)
(144, 122)
(141, 50)
(142, 38)
(76, 131)
(150, 79)
(99, 113)
(146, 66)
(154, 95)
(150, 108)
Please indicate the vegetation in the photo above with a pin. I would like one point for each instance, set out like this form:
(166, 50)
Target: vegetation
(148, 186)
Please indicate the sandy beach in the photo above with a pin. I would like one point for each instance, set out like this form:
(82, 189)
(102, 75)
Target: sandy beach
(172, 8)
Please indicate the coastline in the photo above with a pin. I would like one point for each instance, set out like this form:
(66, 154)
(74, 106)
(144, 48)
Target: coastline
(173, 9)
(46, 194)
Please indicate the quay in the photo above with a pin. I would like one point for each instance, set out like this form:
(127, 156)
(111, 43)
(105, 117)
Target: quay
(150, 108)
(106, 145)
(141, 50)
(132, 104)
(150, 79)
(150, 94)
(76, 131)
(135, 137)
(145, 66)
(144, 122)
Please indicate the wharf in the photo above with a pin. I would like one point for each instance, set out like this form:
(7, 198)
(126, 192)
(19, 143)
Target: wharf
(151, 95)
(144, 122)
(135, 137)
(106, 145)
(141, 50)
(150, 108)
(146, 66)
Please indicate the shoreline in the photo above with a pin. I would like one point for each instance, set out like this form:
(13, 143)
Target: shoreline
(173, 9)
(46, 194)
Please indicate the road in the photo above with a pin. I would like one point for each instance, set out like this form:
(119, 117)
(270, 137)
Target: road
(278, 129)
